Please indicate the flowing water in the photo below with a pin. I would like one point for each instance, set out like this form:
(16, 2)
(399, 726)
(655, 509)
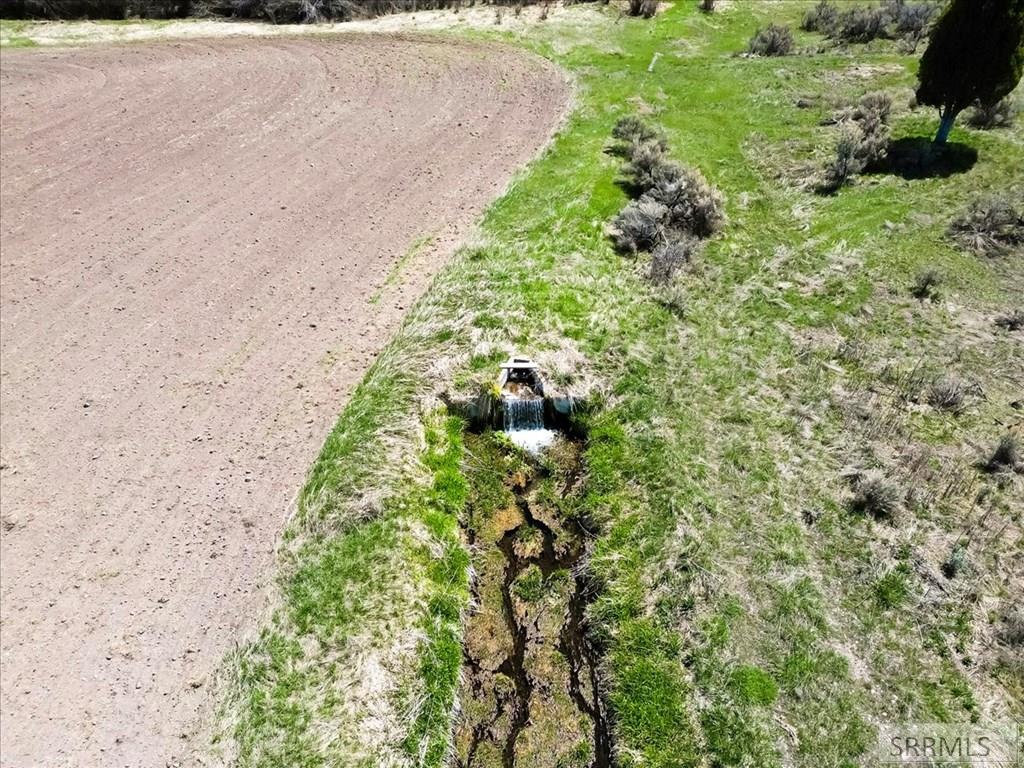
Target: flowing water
(523, 421)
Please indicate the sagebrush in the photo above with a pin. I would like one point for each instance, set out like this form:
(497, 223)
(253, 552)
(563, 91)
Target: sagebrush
(864, 141)
(863, 24)
(988, 117)
(876, 495)
(669, 256)
(991, 226)
(639, 226)
(773, 40)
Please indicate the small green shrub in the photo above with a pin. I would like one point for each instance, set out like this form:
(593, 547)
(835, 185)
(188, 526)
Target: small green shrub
(871, 116)
(870, 111)
(670, 197)
(912, 20)
(862, 24)
(991, 226)
(864, 142)
(873, 145)
(926, 285)
(632, 133)
(773, 40)
(955, 564)
(872, 108)
(876, 495)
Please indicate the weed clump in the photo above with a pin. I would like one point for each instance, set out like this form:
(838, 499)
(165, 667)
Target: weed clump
(673, 298)
(773, 40)
(669, 256)
(892, 589)
(876, 495)
(946, 394)
(1011, 321)
(530, 587)
(864, 141)
(990, 226)
(639, 226)
(988, 117)
(847, 162)
(926, 285)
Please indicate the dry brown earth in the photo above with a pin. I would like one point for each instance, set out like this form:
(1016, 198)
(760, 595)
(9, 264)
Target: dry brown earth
(202, 252)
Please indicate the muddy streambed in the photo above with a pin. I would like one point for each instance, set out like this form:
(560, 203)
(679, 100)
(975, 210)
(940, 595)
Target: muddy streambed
(530, 693)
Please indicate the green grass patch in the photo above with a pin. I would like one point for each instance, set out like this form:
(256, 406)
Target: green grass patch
(13, 34)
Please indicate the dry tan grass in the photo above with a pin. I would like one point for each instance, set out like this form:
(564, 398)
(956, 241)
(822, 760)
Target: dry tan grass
(478, 17)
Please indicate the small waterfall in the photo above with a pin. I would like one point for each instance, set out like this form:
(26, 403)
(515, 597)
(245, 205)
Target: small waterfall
(523, 420)
(522, 414)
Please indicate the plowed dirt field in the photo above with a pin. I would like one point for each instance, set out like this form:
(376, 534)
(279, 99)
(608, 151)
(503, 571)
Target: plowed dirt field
(204, 244)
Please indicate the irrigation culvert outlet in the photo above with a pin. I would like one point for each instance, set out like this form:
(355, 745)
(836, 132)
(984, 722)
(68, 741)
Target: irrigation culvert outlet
(531, 691)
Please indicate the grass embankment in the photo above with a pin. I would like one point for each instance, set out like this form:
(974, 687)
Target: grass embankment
(12, 34)
(750, 617)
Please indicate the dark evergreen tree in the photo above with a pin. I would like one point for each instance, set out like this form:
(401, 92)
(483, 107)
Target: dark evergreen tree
(975, 56)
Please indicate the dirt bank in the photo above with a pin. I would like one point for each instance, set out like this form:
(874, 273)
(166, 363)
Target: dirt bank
(202, 252)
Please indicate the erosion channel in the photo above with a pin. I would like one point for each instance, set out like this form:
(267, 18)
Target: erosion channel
(530, 691)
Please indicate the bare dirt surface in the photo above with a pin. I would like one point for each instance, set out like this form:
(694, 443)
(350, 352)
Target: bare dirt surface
(202, 252)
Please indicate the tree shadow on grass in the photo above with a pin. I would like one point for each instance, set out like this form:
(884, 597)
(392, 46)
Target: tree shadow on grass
(917, 157)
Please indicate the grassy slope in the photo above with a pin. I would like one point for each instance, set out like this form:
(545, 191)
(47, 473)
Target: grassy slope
(750, 618)
(12, 34)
